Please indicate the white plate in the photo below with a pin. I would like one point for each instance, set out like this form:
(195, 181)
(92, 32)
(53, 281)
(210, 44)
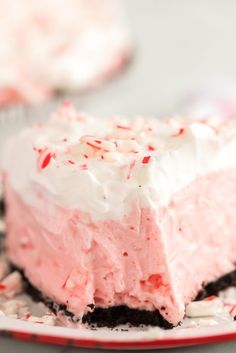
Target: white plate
(149, 338)
(192, 331)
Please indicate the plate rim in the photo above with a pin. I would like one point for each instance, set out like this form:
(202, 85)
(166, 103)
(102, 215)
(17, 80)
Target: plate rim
(98, 343)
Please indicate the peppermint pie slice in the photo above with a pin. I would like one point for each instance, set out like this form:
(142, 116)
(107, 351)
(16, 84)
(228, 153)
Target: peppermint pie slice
(122, 220)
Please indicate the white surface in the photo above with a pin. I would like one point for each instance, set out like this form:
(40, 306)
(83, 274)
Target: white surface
(180, 44)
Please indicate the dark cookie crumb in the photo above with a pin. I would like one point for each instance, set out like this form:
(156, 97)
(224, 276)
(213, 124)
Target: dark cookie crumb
(91, 306)
(120, 315)
(2, 208)
(2, 212)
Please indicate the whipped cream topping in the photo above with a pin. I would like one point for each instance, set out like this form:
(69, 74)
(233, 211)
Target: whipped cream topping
(59, 44)
(103, 166)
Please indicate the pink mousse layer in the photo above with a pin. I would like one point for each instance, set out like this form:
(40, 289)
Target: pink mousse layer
(148, 260)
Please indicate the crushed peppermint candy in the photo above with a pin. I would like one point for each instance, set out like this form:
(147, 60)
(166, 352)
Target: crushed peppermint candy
(11, 285)
(233, 312)
(151, 148)
(123, 127)
(45, 319)
(46, 161)
(69, 137)
(207, 307)
(179, 133)
(100, 144)
(146, 159)
(14, 307)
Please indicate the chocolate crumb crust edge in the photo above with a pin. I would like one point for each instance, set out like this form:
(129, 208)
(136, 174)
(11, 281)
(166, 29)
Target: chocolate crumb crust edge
(2, 208)
(213, 288)
(120, 315)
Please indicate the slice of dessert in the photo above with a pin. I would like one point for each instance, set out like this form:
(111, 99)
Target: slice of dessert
(120, 220)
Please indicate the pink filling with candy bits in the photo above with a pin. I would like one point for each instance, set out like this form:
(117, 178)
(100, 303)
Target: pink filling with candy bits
(150, 259)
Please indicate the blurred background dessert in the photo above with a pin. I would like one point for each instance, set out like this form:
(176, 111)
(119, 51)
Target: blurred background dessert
(58, 45)
(212, 100)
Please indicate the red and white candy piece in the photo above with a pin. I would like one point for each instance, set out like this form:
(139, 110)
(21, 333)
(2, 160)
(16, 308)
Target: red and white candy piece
(14, 307)
(46, 319)
(210, 306)
(11, 285)
(99, 144)
(146, 159)
(233, 311)
(44, 159)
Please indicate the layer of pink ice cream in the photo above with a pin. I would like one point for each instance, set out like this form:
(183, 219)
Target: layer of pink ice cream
(150, 259)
